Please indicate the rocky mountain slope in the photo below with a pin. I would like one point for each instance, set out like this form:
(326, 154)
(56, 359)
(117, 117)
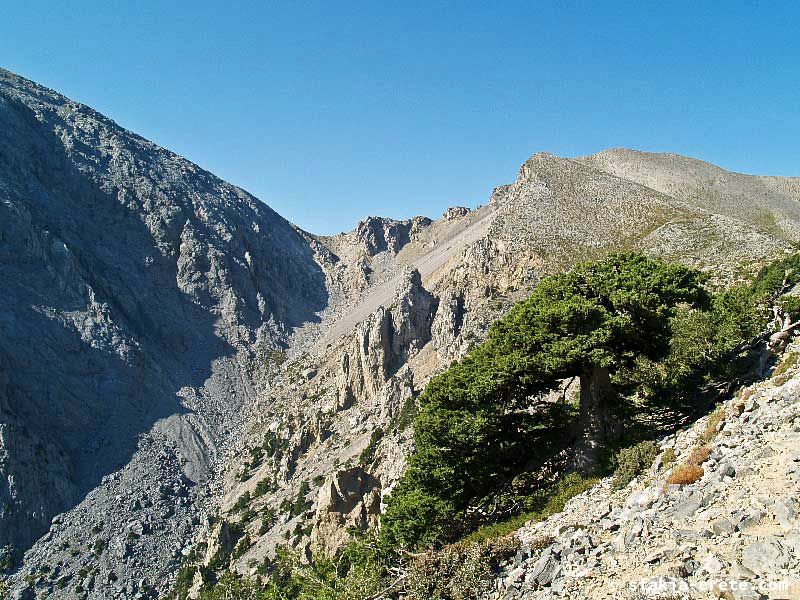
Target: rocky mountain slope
(332, 436)
(139, 292)
(732, 533)
(185, 377)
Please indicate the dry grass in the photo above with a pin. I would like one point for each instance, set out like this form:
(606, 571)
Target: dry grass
(685, 474)
(712, 427)
(781, 373)
(698, 456)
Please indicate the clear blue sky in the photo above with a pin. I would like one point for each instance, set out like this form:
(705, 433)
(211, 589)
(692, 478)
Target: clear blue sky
(330, 111)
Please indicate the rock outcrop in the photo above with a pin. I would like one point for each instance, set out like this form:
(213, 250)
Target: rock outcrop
(385, 341)
(378, 234)
(351, 499)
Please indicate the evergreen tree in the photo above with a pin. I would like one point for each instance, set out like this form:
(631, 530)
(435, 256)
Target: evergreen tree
(472, 429)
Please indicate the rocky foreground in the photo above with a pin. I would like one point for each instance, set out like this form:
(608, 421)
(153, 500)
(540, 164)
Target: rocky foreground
(734, 533)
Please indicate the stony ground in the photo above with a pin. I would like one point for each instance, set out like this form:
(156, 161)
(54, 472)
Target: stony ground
(734, 533)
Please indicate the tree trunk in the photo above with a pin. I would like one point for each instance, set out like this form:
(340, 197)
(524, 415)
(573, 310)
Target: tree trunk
(596, 426)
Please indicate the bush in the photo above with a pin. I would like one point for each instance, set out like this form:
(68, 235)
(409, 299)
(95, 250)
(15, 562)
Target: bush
(461, 571)
(712, 426)
(685, 474)
(632, 461)
(368, 455)
(540, 505)
(698, 456)
(781, 372)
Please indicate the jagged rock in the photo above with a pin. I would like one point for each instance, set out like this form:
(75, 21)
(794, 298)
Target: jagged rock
(384, 341)
(220, 544)
(351, 499)
(378, 234)
(455, 212)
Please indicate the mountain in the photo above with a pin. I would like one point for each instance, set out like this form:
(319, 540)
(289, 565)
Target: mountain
(138, 293)
(177, 361)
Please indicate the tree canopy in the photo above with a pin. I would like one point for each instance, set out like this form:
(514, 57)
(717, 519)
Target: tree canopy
(475, 430)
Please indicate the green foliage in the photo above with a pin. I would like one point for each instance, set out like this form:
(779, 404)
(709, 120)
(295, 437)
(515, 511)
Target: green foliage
(789, 361)
(275, 358)
(479, 420)
(99, 546)
(632, 461)
(368, 455)
(242, 502)
(300, 504)
(714, 421)
(703, 348)
(462, 571)
(264, 486)
(539, 506)
(669, 457)
(769, 281)
(357, 573)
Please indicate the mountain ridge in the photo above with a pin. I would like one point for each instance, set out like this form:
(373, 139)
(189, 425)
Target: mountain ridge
(181, 320)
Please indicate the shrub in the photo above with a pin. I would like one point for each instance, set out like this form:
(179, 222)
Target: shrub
(685, 474)
(461, 571)
(300, 504)
(668, 457)
(541, 504)
(368, 455)
(263, 486)
(781, 373)
(712, 426)
(632, 461)
(99, 546)
(242, 502)
(698, 456)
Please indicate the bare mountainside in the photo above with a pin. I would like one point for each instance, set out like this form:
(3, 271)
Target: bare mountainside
(138, 291)
(172, 349)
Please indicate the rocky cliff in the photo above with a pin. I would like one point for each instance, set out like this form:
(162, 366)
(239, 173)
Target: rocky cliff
(138, 293)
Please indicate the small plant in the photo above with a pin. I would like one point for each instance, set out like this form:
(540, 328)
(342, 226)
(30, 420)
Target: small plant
(698, 456)
(789, 361)
(99, 546)
(458, 572)
(368, 455)
(548, 503)
(632, 461)
(275, 358)
(242, 503)
(685, 474)
(712, 427)
(668, 457)
(262, 487)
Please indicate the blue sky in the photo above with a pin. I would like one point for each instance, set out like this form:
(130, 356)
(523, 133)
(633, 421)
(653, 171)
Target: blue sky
(331, 111)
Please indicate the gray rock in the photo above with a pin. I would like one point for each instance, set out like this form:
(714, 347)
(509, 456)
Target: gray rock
(722, 526)
(764, 556)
